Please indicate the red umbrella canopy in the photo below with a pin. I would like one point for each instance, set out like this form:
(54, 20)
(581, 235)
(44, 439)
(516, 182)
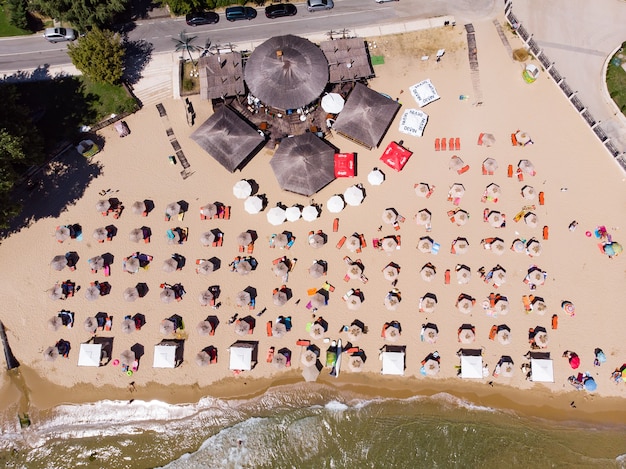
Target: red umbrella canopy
(395, 156)
(574, 361)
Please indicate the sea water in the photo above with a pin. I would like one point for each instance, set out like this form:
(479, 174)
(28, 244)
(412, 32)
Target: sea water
(304, 426)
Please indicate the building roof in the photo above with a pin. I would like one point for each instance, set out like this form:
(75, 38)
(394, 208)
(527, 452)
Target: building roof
(221, 75)
(348, 59)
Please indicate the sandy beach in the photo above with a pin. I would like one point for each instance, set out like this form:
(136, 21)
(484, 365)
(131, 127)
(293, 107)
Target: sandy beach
(578, 178)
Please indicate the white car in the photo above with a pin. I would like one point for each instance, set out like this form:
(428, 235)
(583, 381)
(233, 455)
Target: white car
(385, 1)
(60, 34)
(87, 148)
(317, 5)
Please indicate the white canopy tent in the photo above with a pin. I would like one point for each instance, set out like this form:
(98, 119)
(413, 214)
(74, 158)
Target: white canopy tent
(241, 356)
(164, 356)
(424, 92)
(542, 370)
(413, 122)
(393, 363)
(89, 354)
(471, 366)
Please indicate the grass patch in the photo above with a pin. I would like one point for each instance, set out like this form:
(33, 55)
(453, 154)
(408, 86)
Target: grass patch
(378, 59)
(105, 99)
(6, 28)
(189, 83)
(616, 79)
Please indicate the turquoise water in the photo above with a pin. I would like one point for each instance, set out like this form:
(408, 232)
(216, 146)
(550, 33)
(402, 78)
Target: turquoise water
(305, 426)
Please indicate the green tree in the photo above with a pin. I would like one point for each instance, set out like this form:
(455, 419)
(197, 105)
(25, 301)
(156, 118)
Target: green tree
(82, 14)
(99, 55)
(181, 7)
(184, 43)
(17, 10)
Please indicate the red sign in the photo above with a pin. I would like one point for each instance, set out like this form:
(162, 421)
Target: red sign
(344, 165)
(396, 156)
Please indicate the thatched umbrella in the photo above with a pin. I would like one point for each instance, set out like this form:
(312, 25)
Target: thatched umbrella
(281, 240)
(242, 298)
(207, 238)
(205, 297)
(132, 265)
(422, 189)
(131, 294)
(100, 234)
(244, 268)
(208, 210)
(173, 209)
(279, 360)
(316, 270)
(309, 358)
(103, 205)
(204, 328)
(205, 267)
(203, 358)
(127, 357)
(128, 326)
(431, 367)
(242, 328)
(244, 238)
(56, 292)
(58, 262)
(280, 298)
(280, 270)
(169, 265)
(356, 363)
(96, 262)
(138, 207)
(92, 293)
(167, 295)
(55, 323)
(318, 300)
(316, 241)
(62, 233)
(167, 327)
(90, 324)
(136, 235)
(51, 354)
(279, 329)
(391, 272)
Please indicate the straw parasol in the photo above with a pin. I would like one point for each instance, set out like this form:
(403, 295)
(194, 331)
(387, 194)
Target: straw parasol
(486, 139)
(62, 233)
(355, 271)
(456, 191)
(497, 246)
(280, 270)
(132, 265)
(531, 220)
(244, 238)
(527, 167)
(203, 358)
(422, 189)
(308, 358)
(135, 235)
(207, 238)
(536, 276)
(495, 219)
(498, 276)
(356, 363)
(390, 216)
(392, 301)
(463, 274)
(103, 205)
(242, 328)
(92, 293)
(138, 207)
(311, 373)
(205, 267)
(279, 329)
(507, 369)
(427, 273)
(244, 268)
(58, 262)
(173, 209)
(461, 245)
(280, 298)
(392, 333)
(281, 240)
(316, 270)
(539, 305)
(318, 300)
(204, 328)
(391, 272)
(317, 331)
(353, 243)
(431, 367)
(501, 305)
(167, 295)
(354, 332)
(533, 248)
(467, 336)
(493, 190)
(423, 217)
(55, 323)
(51, 354)
(375, 177)
(279, 360)
(242, 298)
(276, 216)
(128, 326)
(316, 241)
(354, 195)
(428, 303)
(169, 265)
(253, 204)
(490, 165)
(354, 302)
(522, 137)
(541, 339)
(461, 217)
(425, 244)
(335, 204)
(131, 294)
(504, 336)
(389, 244)
(205, 298)
(528, 192)
(293, 213)
(167, 327)
(455, 163)
(431, 333)
(56, 292)
(310, 213)
(127, 357)
(100, 234)
(465, 303)
(209, 210)
(242, 189)
(96, 262)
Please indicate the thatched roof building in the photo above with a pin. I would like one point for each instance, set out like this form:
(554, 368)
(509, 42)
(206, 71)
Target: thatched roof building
(348, 60)
(221, 75)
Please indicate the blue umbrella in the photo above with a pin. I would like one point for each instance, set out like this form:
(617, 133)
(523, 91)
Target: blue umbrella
(590, 384)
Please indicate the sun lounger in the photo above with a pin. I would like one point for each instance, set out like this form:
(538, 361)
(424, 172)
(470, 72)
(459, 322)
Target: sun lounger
(493, 332)
(335, 225)
(250, 248)
(545, 232)
(457, 143)
(242, 249)
(510, 171)
(341, 242)
(270, 355)
(514, 140)
(447, 277)
(303, 342)
(541, 198)
(443, 144)
(181, 216)
(451, 144)
(437, 145)
(464, 169)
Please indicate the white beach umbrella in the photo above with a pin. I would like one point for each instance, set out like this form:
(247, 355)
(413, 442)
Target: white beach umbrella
(422, 189)
(253, 204)
(353, 195)
(242, 189)
(293, 213)
(332, 103)
(310, 213)
(335, 204)
(276, 216)
(375, 177)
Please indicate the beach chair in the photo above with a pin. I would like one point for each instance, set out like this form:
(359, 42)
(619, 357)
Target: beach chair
(451, 144)
(493, 332)
(437, 145)
(242, 249)
(335, 225)
(447, 277)
(457, 144)
(376, 243)
(510, 171)
(520, 175)
(399, 241)
(480, 138)
(443, 144)
(290, 243)
(250, 248)
(270, 355)
(464, 169)
(303, 342)
(341, 242)
(541, 198)
(514, 140)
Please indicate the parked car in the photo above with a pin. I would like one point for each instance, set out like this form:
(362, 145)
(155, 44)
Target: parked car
(87, 148)
(240, 13)
(385, 1)
(60, 34)
(122, 128)
(280, 9)
(202, 17)
(316, 5)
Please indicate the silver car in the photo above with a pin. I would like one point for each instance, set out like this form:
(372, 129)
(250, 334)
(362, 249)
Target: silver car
(60, 34)
(316, 5)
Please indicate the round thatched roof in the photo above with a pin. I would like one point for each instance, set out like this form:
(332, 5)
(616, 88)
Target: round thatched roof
(287, 72)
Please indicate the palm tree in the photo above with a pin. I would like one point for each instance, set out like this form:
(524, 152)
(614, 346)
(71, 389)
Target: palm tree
(184, 44)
